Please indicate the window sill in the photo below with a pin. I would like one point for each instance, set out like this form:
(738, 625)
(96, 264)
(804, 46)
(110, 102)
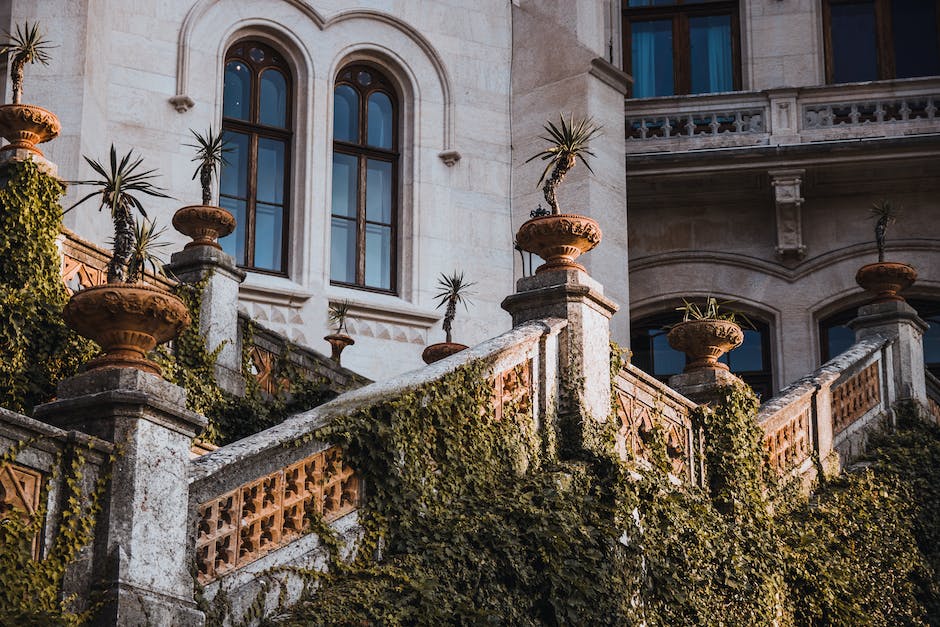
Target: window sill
(384, 316)
(277, 290)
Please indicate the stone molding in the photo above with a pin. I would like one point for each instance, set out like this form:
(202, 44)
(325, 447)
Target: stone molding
(788, 204)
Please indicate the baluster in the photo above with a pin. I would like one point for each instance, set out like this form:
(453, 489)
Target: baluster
(690, 126)
(667, 127)
(930, 109)
(714, 125)
(738, 122)
(854, 114)
(879, 112)
(905, 111)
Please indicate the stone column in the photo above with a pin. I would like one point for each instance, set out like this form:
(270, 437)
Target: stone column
(141, 535)
(897, 319)
(701, 386)
(584, 347)
(218, 319)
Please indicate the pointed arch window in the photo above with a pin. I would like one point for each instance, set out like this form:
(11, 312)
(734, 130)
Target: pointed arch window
(364, 214)
(257, 125)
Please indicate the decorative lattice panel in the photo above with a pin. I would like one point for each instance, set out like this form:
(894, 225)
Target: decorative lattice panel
(243, 525)
(20, 490)
(855, 397)
(790, 443)
(513, 388)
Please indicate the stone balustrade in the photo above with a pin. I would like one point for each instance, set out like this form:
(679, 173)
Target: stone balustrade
(783, 116)
(933, 397)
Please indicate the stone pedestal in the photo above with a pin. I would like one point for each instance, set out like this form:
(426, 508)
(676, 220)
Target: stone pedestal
(900, 320)
(218, 317)
(700, 386)
(21, 154)
(141, 535)
(584, 346)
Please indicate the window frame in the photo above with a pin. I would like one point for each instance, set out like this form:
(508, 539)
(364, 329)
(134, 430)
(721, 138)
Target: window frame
(255, 131)
(363, 151)
(884, 41)
(679, 13)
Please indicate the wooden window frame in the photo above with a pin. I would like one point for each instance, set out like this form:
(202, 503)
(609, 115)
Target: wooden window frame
(680, 13)
(255, 131)
(363, 152)
(884, 40)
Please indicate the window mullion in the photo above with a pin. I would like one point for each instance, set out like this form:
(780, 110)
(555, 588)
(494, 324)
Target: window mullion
(252, 201)
(886, 67)
(361, 224)
(682, 52)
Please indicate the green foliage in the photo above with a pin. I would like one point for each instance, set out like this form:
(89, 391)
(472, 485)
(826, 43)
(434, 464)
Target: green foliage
(712, 310)
(25, 45)
(30, 589)
(37, 350)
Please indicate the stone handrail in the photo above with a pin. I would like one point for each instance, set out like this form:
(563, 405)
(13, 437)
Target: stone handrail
(251, 501)
(641, 403)
(783, 116)
(85, 264)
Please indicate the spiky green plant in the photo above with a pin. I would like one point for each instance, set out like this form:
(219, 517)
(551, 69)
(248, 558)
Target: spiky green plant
(568, 144)
(25, 45)
(338, 314)
(452, 290)
(210, 156)
(712, 310)
(885, 214)
(117, 187)
(144, 254)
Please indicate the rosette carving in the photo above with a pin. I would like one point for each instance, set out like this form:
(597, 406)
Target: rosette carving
(559, 239)
(885, 279)
(704, 341)
(204, 224)
(127, 321)
(24, 126)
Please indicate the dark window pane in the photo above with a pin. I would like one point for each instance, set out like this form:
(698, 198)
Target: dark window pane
(236, 96)
(346, 115)
(343, 250)
(380, 120)
(273, 99)
(840, 339)
(269, 225)
(271, 170)
(233, 180)
(914, 26)
(710, 38)
(256, 55)
(651, 51)
(345, 184)
(666, 360)
(234, 244)
(854, 53)
(378, 191)
(378, 256)
(749, 357)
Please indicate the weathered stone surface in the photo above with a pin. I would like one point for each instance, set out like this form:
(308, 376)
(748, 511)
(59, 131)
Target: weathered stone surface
(900, 320)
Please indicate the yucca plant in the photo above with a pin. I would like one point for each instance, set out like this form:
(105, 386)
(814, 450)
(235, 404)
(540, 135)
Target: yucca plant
(568, 144)
(452, 290)
(25, 45)
(885, 214)
(712, 310)
(338, 314)
(117, 186)
(210, 156)
(144, 253)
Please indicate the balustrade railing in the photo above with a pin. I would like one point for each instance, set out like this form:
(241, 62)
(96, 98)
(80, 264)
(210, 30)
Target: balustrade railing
(933, 397)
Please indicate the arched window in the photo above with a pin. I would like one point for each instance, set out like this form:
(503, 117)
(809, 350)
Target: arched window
(365, 180)
(653, 355)
(256, 123)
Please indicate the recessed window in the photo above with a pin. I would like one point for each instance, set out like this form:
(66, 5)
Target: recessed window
(674, 47)
(869, 40)
(253, 185)
(364, 215)
(653, 355)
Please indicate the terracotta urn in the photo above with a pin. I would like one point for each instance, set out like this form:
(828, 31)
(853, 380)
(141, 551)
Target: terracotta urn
(437, 352)
(704, 341)
(338, 341)
(127, 320)
(885, 279)
(24, 126)
(559, 240)
(204, 224)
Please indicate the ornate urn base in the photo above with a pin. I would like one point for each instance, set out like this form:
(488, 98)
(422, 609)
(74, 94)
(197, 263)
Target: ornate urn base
(704, 341)
(437, 352)
(204, 223)
(559, 240)
(24, 126)
(127, 321)
(885, 279)
(338, 342)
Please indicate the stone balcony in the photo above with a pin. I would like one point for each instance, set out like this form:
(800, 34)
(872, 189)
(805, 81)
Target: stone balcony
(873, 110)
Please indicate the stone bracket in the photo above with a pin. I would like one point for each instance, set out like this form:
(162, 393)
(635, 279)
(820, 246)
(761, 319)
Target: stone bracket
(788, 204)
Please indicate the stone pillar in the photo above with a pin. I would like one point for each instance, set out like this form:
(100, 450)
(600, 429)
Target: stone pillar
(897, 319)
(584, 346)
(700, 386)
(141, 536)
(218, 317)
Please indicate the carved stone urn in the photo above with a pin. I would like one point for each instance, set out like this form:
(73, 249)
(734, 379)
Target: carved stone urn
(705, 341)
(127, 320)
(559, 240)
(24, 126)
(437, 352)
(338, 342)
(205, 224)
(885, 279)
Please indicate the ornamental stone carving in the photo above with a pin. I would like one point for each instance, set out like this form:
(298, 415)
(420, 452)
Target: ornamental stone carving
(24, 126)
(704, 341)
(559, 239)
(204, 224)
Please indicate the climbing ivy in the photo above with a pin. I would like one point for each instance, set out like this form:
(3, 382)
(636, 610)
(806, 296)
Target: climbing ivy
(37, 350)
